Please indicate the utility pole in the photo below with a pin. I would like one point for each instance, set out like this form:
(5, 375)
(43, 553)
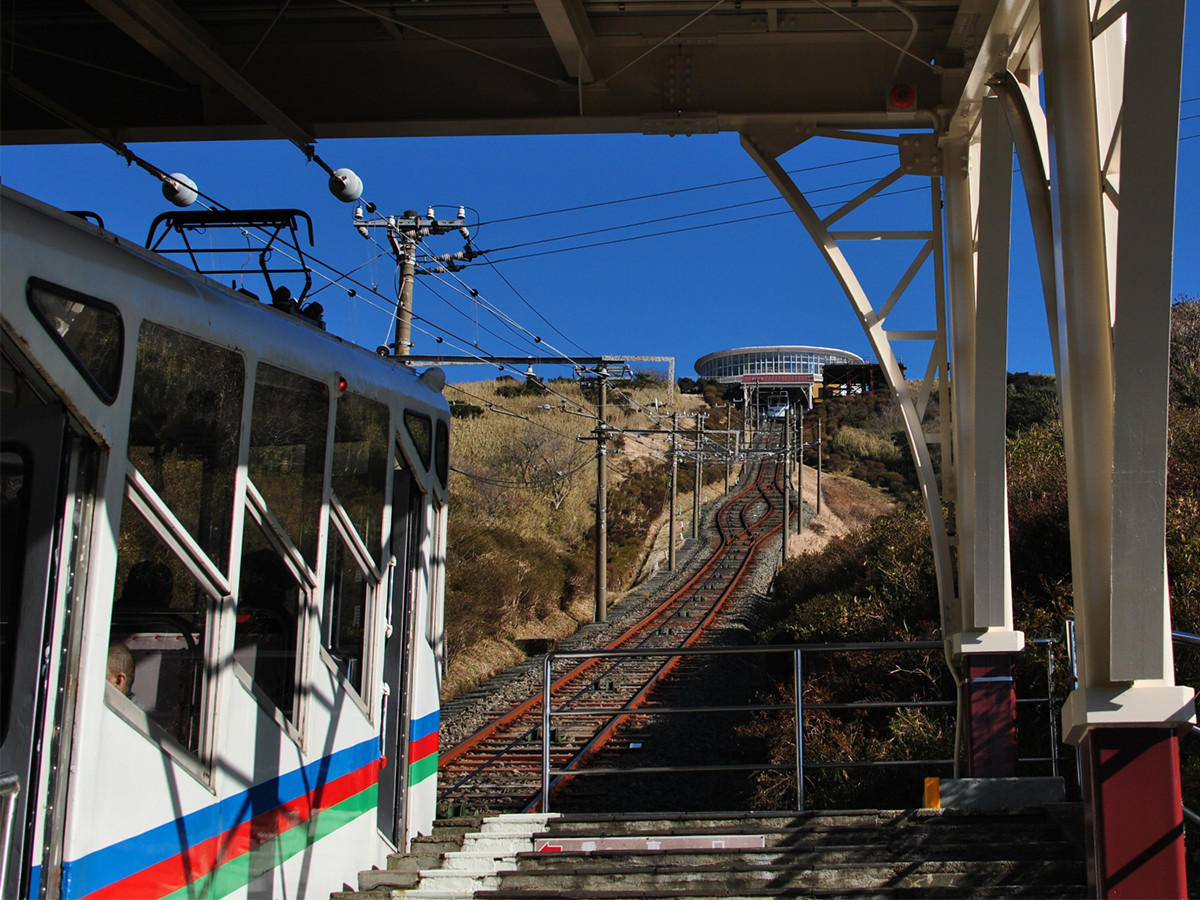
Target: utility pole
(700, 417)
(787, 476)
(601, 614)
(800, 473)
(819, 421)
(674, 486)
(728, 461)
(404, 233)
(408, 271)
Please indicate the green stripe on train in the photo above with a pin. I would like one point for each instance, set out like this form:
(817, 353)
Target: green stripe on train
(239, 872)
(422, 769)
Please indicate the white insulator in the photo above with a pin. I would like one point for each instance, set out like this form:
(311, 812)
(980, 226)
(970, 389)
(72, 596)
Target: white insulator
(462, 212)
(434, 378)
(429, 213)
(345, 185)
(180, 189)
(465, 232)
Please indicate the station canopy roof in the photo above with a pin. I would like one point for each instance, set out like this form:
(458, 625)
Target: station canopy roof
(309, 69)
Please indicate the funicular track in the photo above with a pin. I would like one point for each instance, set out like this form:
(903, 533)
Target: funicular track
(499, 767)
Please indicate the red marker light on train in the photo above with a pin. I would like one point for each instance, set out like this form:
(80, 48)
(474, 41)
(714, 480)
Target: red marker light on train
(901, 97)
(341, 383)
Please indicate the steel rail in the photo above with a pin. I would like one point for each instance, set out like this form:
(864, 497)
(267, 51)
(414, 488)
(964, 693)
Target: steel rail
(601, 739)
(731, 540)
(457, 751)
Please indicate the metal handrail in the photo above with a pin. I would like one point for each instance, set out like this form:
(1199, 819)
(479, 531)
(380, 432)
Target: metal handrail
(798, 707)
(10, 787)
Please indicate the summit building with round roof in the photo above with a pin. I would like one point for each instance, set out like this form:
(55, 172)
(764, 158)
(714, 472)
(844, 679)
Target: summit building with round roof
(795, 370)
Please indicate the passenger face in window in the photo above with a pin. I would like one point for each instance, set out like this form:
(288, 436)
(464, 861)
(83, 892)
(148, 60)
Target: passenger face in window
(120, 669)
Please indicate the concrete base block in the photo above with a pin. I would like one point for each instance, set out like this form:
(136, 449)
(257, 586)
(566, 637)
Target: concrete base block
(999, 793)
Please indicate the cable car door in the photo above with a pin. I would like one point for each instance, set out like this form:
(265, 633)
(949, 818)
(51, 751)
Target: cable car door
(406, 541)
(31, 468)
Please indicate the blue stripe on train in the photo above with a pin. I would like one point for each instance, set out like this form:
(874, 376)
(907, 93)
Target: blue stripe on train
(424, 726)
(113, 863)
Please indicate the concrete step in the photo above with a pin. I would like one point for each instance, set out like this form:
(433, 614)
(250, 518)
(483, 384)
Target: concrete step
(958, 892)
(386, 879)
(478, 862)
(873, 819)
(413, 862)
(802, 836)
(721, 881)
(814, 858)
(456, 881)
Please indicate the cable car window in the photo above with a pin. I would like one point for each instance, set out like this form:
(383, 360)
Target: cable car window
(442, 452)
(15, 469)
(159, 633)
(344, 617)
(89, 331)
(420, 429)
(185, 429)
(360, 448)
(287, 451)
(268, 621)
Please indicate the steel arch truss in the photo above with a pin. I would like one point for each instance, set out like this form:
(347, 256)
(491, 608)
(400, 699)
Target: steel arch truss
(872, 317)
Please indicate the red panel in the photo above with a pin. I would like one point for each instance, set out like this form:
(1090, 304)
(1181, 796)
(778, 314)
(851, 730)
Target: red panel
(1135, 812)
(991, 715)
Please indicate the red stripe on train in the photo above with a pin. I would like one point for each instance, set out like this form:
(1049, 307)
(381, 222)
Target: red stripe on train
(197, 861)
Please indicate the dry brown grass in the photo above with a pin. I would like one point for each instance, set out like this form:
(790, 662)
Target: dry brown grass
(500, 452)
(847, 504)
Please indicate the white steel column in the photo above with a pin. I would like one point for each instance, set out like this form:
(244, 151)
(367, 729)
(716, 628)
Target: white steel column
(1140, 643)
(1125, 670)
(991, 605)
(960, 271)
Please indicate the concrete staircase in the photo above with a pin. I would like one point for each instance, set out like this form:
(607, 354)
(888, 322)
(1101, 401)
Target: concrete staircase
(863, 854)
(461, 856)
(914, 853)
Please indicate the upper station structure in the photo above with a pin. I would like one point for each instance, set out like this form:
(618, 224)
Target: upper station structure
(1085, 92)
(796, 371)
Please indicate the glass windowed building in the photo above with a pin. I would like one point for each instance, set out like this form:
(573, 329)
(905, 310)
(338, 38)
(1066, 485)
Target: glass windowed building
(773, 377)
(731, 366)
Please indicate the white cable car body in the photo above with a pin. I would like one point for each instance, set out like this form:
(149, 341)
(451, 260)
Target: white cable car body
(224, 535)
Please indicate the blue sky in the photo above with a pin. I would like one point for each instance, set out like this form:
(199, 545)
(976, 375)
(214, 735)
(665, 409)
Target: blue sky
(751, 278)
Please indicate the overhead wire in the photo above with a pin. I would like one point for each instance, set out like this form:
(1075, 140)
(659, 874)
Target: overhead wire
(685, 190)
(690, 228)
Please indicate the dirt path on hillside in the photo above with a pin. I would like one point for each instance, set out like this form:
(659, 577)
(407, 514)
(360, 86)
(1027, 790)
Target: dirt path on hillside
(846, 504)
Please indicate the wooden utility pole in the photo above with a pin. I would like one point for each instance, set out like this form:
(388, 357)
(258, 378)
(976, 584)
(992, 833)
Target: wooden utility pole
(699, 475)
(601, 613)
(408, 271)
(787, 477)
(674, 487)
(403, 234)
(800, 472)
(728, 423)
(819, 465)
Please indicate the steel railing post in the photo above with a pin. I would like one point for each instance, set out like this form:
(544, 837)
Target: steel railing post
(1050, 704)
(799, 735)
(546, 734)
